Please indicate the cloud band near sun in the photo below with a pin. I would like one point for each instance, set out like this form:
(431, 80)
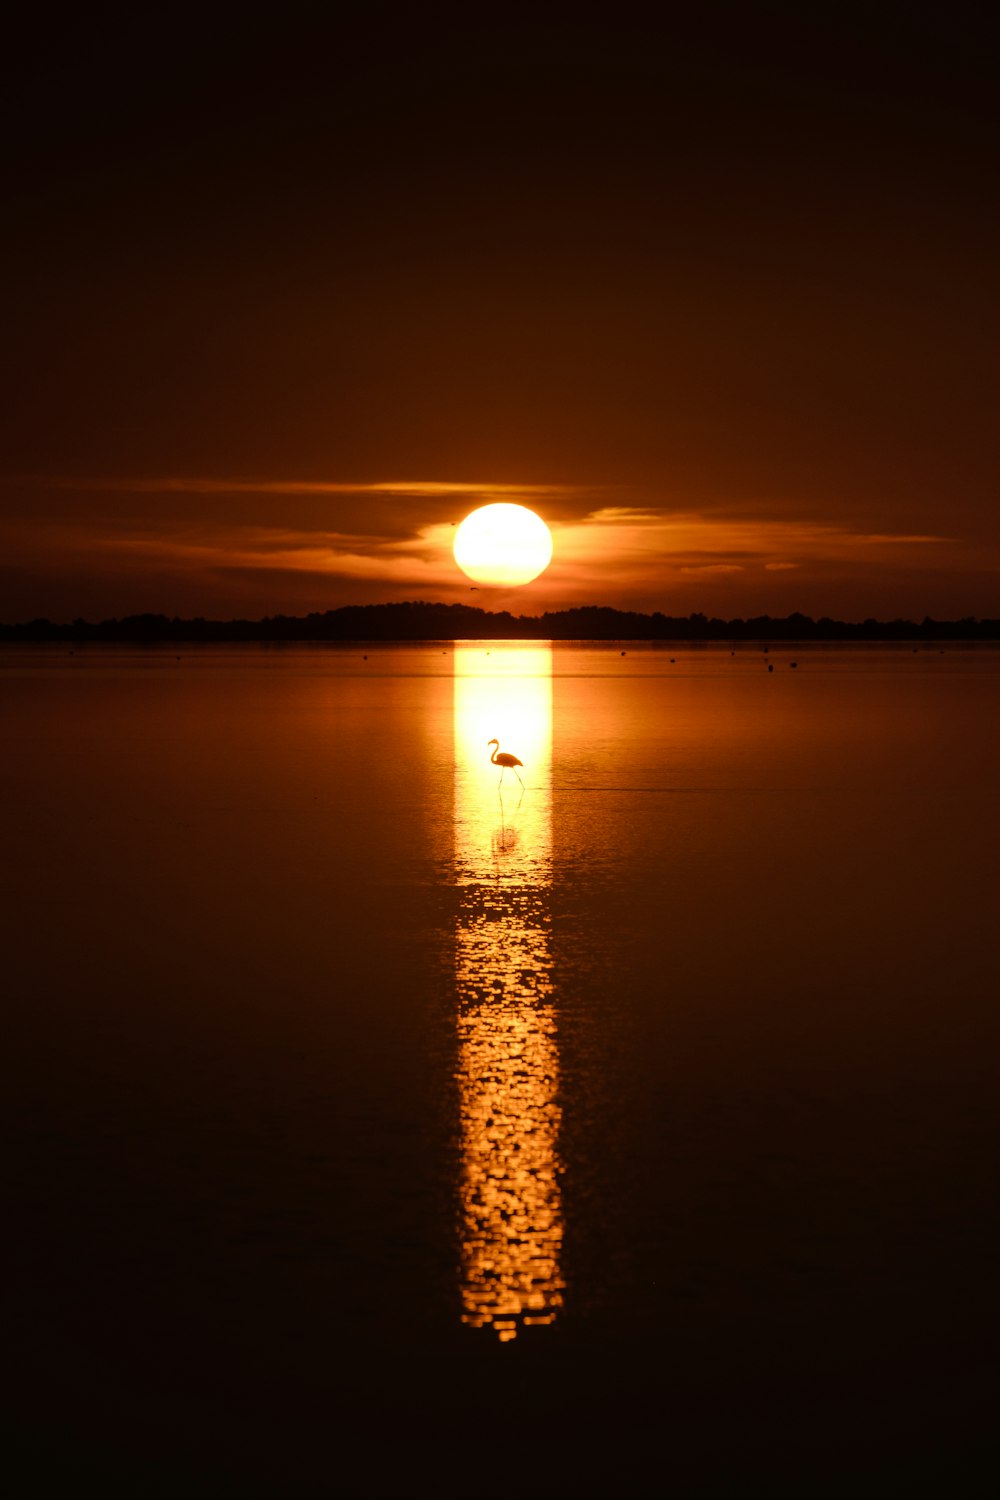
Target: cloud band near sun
(318, 543)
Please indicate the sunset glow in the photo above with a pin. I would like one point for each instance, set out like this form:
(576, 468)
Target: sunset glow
(499, 649)
(507, 1065)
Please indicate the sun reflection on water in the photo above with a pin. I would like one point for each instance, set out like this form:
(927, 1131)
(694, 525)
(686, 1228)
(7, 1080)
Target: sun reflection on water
(508, 1066)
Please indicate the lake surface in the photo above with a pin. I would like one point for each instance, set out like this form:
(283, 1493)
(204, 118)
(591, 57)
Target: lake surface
(373, 1126)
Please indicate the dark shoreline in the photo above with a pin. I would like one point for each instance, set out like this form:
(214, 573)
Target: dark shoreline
(419, 621)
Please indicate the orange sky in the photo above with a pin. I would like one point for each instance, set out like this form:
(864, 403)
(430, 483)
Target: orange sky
(718, 300)
(228, 547)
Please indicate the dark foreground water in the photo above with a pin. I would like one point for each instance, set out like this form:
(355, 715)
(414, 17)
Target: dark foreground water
(369, 1129)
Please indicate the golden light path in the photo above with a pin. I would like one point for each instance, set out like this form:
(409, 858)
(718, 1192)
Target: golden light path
(503, 545)
(508, 1066)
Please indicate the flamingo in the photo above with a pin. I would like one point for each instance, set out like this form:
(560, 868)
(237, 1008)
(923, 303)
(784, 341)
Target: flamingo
(503, 760)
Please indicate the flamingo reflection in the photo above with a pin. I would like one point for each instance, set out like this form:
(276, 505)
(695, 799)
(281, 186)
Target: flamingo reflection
(505, 837)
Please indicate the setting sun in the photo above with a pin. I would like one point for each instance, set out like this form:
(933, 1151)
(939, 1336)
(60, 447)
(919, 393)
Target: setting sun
(503, 545)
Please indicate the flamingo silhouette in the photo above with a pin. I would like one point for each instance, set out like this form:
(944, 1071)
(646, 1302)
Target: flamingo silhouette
(503, 759)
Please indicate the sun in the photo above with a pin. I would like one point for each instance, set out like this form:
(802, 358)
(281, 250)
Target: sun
(503, 545)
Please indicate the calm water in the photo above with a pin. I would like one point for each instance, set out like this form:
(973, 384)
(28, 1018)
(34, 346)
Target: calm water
(369, 1125)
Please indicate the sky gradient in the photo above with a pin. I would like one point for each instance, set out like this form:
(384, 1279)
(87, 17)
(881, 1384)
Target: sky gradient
(286, 301)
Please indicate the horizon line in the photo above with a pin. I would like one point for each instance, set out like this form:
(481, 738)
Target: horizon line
(695, 617)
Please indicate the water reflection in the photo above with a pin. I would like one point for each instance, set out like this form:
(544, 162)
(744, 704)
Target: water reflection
(508, 1066)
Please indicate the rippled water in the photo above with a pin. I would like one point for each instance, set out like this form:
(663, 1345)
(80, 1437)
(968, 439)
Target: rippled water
(372, 1124)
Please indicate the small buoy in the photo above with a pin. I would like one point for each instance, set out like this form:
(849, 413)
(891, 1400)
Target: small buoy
(621, 653)
(793, 663)
(673, 659)
(770, 666)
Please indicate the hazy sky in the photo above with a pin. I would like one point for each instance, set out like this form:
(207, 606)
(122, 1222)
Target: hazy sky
(287, 298)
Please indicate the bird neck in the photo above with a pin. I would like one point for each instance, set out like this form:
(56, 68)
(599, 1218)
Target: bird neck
(496, 752)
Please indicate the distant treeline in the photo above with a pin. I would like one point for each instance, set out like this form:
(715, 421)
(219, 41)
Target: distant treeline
(420, 621)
